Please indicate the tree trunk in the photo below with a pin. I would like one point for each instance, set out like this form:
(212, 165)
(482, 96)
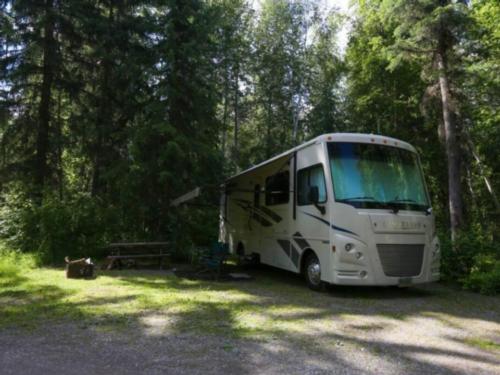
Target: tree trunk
(452, 150)
(269, 125)
(60, 167)
(225, 113)
(42, 141)
(236, 116)
(483, 174)
(103, 118)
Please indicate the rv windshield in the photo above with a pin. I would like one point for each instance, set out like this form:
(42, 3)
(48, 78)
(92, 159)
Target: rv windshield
(375, 176)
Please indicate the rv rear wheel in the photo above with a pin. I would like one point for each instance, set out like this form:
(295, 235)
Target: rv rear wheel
(312, 273)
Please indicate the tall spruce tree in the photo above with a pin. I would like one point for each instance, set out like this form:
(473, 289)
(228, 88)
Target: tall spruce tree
(232, 34)
(431, 30)
(35, 72)
(326, 70)
(279, 71)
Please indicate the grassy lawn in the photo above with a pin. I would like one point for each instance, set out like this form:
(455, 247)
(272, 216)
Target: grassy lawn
(274, 305)
(118, 299)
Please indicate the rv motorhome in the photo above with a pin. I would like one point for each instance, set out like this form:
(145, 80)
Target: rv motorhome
(349, 209)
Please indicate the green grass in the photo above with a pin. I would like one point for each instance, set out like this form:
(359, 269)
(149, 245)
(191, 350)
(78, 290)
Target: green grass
(12, 261)
(274, 305)
(482, 344)
(31, 297)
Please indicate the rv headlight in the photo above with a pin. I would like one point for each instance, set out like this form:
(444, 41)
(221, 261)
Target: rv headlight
(359, 255)
(363, 274)
(348, 247)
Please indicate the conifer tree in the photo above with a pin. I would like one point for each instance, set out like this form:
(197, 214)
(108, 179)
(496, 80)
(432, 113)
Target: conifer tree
(431, 31)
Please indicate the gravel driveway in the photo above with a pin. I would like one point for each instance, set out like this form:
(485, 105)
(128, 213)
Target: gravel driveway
(426, 330)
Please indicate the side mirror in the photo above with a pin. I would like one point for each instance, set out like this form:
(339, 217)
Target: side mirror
(313, 195)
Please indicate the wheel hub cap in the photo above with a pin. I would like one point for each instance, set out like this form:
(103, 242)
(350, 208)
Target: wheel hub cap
(314, 272)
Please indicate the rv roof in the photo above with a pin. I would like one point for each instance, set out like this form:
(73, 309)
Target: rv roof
(336, 137)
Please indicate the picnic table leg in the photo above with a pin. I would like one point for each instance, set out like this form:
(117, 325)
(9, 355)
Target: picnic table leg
(221, 264)
(110, 264)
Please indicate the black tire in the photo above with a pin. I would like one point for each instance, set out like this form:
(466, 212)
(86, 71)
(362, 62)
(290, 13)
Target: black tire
(240, 250)
(312, 273)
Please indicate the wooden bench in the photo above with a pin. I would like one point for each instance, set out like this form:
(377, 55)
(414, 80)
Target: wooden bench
(121, 251)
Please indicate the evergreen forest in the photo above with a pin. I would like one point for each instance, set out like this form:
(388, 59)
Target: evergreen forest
(111, 109)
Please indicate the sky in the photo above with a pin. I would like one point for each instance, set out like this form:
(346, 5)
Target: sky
(343, 7)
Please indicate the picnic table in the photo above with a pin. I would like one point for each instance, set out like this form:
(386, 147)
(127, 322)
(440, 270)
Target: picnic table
(134, 251)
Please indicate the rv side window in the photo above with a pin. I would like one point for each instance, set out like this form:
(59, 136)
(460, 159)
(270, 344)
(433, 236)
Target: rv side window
(307, 177)
(277, 188)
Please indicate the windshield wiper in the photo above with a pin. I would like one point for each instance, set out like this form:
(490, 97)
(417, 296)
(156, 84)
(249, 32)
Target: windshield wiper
(356, 199)
(395, 201)
(406, 200)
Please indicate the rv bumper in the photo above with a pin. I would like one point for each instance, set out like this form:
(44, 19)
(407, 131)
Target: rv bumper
(387, 264)
(383, 281)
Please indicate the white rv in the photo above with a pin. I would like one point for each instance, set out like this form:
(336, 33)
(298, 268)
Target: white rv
(348, 209)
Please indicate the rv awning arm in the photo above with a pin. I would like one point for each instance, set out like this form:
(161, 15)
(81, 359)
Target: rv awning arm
(197, 191)
(186, 197)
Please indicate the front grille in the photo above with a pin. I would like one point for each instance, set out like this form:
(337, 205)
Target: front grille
(401, 260)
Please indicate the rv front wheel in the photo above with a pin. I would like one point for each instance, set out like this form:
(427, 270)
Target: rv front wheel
(313, 273)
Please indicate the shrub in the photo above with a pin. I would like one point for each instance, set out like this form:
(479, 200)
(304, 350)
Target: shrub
(473, 261)
(79, 225)
(485, 275)
(12, 262)
(458, 259)
(75, 227)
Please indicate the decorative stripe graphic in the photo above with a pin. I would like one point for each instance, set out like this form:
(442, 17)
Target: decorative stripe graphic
(330, 225)
(273, 215)
(290, 251)
(300, 241)
(303, 244)
(258, 214)
(285, 246)
(295, 256)
(262, 221)
(255, 216)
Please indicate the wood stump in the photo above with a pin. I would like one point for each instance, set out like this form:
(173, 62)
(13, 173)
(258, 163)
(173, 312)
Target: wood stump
(79, 269)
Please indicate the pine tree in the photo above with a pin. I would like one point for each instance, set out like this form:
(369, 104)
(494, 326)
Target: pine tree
(326, 71)
(431, 30)
(279, 71)
(33, 69)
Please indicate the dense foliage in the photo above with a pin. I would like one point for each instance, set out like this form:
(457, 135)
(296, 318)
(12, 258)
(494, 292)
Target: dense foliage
(111, 109)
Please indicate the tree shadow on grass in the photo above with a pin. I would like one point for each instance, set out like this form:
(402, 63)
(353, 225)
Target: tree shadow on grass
(27, 303)
(384, 307)
(274, 315)
(277, 287)
(292, 345)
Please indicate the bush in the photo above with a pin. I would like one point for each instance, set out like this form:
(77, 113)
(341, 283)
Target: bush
(191, 228)
(458, 259)
(473, 261)
(485, 275)
(79, 225)
(76, 227)
(12, 262)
